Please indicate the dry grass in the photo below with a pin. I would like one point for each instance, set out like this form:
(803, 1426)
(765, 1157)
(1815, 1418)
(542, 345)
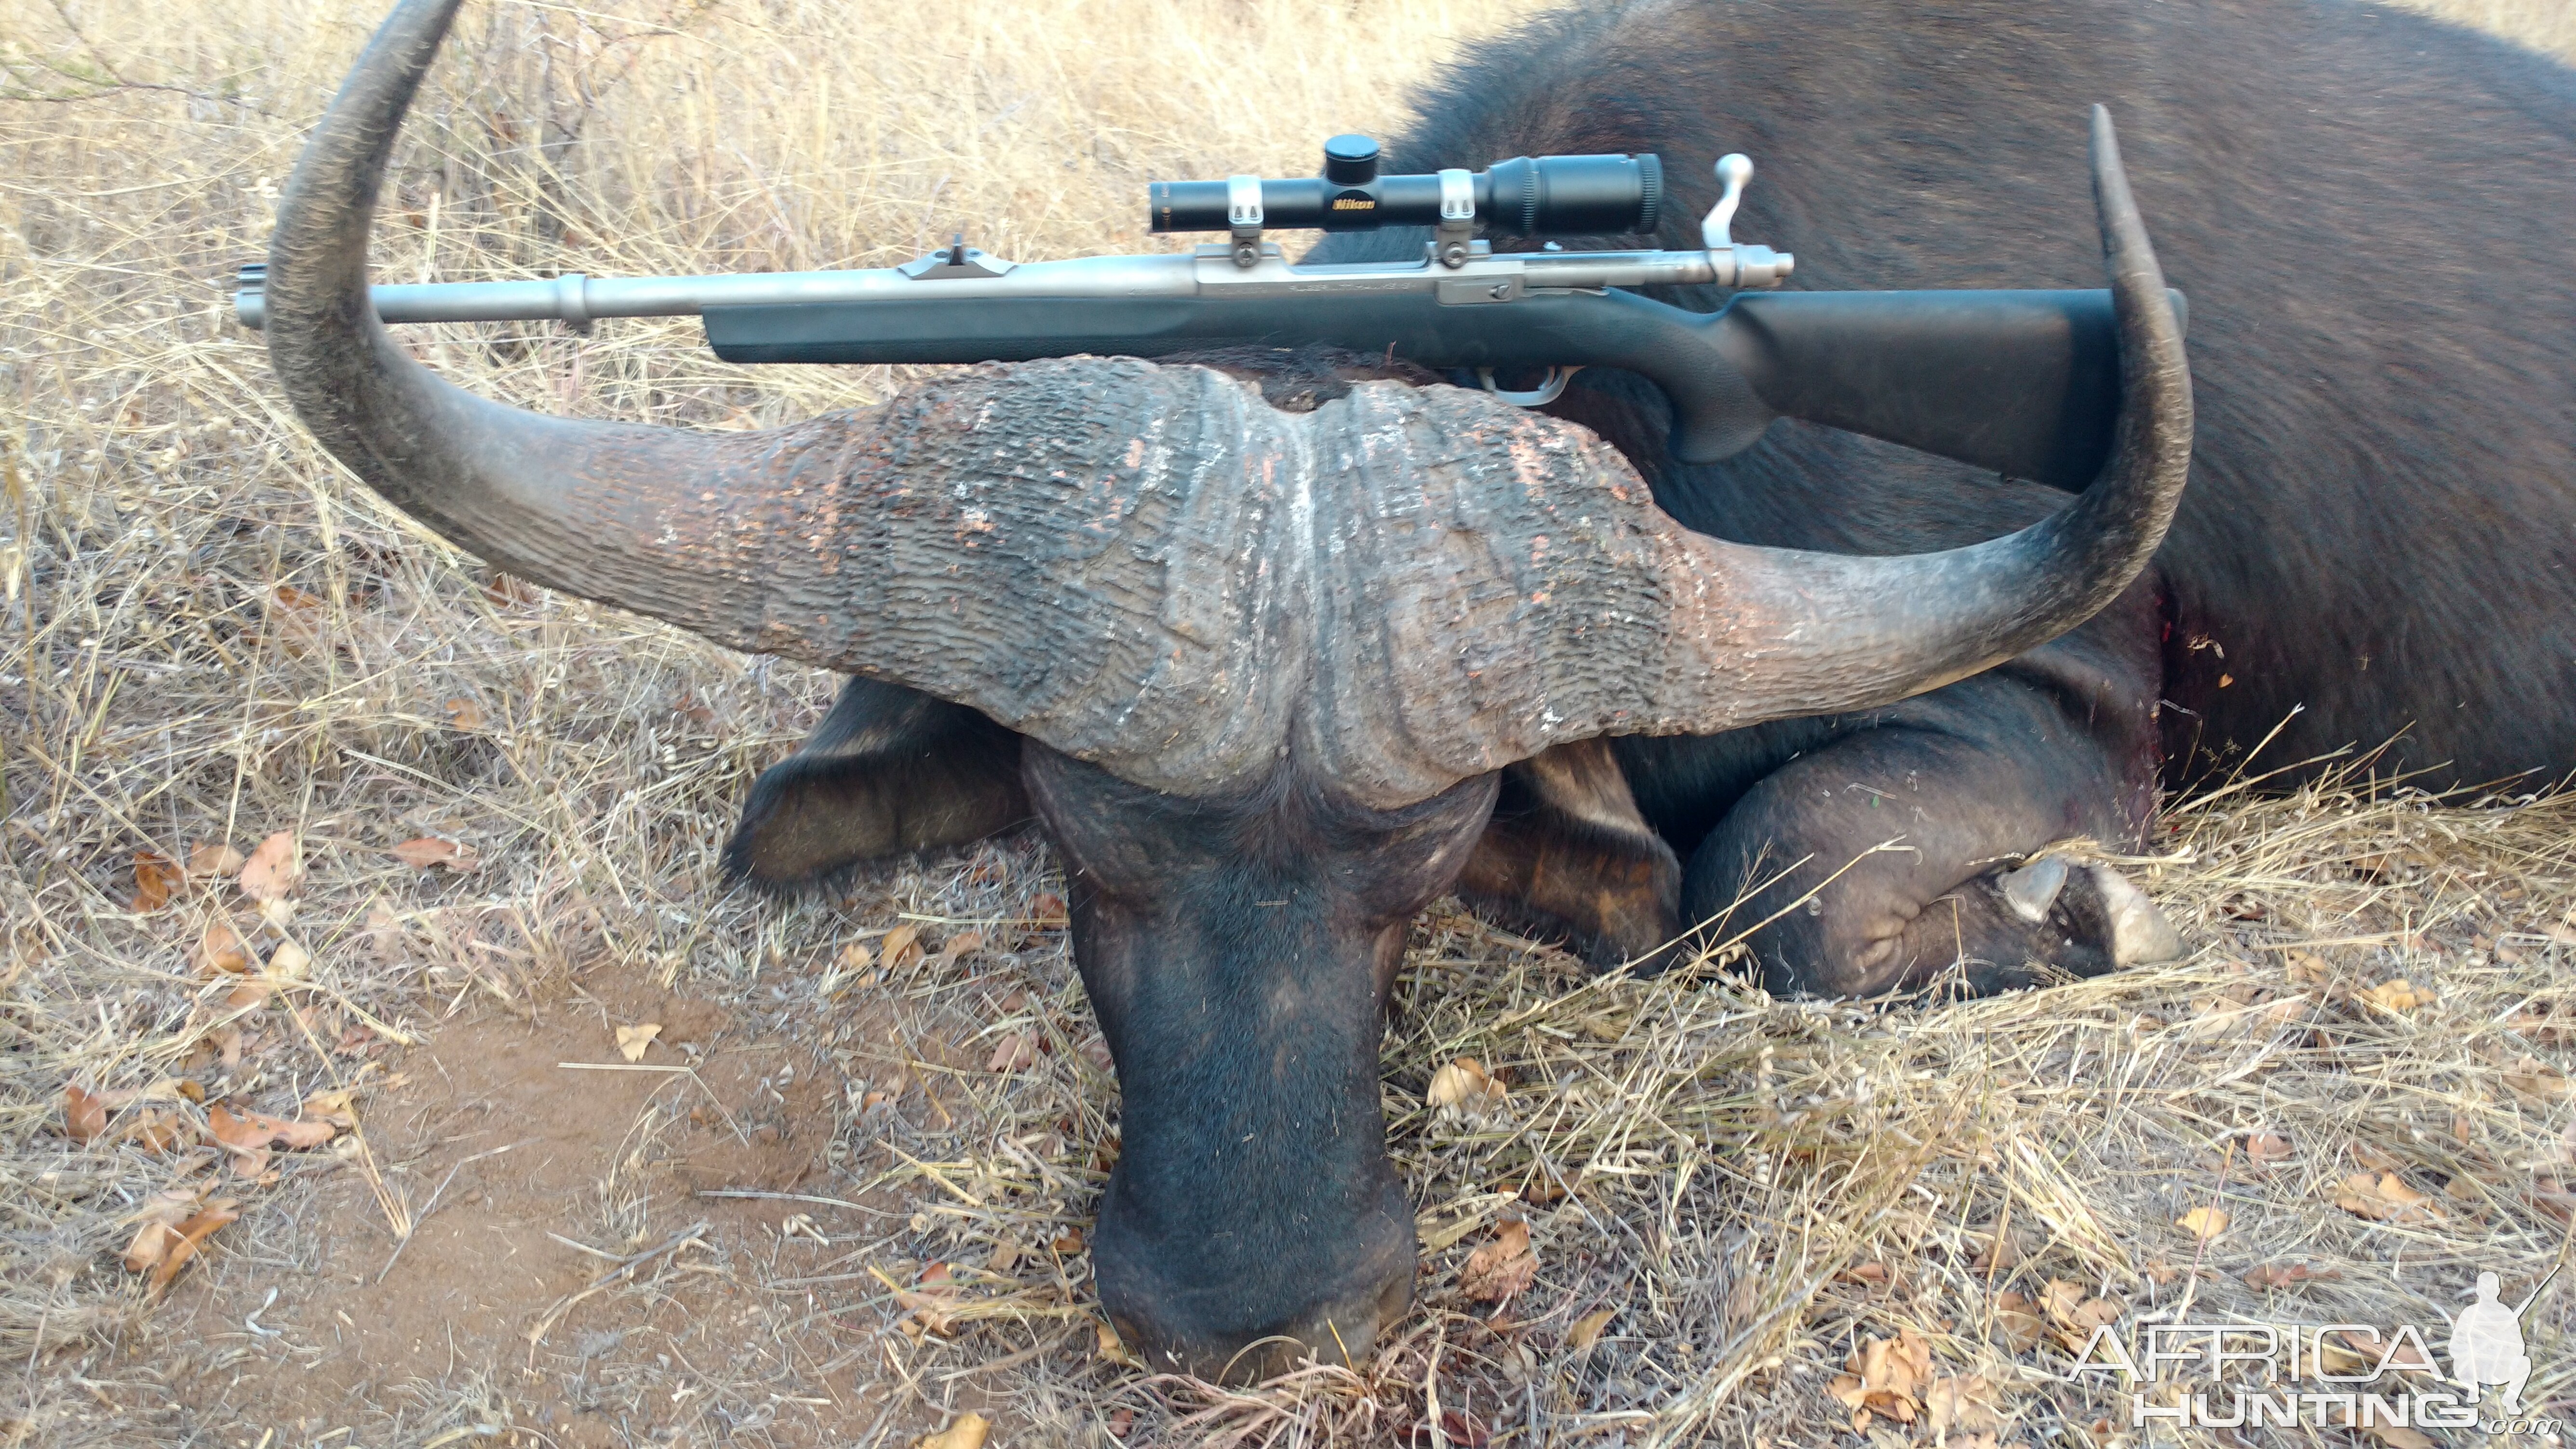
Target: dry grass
(211, 636)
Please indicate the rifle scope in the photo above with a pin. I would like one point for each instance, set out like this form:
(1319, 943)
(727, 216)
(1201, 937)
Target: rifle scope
(1525, 196)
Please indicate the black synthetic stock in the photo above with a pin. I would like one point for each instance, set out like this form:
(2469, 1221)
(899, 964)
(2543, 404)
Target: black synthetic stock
(2024, 382)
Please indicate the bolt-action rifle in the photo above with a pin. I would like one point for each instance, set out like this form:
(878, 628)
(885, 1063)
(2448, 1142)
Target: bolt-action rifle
(2023, 382)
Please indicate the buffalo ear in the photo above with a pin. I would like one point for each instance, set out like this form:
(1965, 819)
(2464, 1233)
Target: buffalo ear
(890, 770)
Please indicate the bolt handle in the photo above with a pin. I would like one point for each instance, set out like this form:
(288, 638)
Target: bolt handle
(1734, 169)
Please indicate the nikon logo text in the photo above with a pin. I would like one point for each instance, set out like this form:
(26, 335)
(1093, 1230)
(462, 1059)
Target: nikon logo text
(1353, 203)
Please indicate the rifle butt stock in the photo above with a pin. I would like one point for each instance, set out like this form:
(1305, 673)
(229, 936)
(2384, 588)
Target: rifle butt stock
(2026, 383)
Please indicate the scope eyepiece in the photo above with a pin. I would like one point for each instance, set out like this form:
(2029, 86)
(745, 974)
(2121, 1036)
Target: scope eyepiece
(1525, 196)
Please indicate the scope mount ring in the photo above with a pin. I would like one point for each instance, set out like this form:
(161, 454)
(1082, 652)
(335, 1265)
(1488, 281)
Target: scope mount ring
(1549, 389)
(1244, 216)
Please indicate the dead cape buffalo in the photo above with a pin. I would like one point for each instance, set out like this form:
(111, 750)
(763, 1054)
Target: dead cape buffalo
(1257, 671)
(2371, 213)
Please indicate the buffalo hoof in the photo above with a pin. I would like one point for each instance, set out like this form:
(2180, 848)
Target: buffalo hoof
(2051, 919)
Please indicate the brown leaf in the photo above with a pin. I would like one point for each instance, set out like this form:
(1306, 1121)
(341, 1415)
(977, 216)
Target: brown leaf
(1105, 1344)
(2285, 1275)
(1463, 1090)
(254, 1131)
(1587, 1329)
(209, 862)
(151, 1244)
(221, 950)
(1501, 1267)
(155, 876)
(2074, 1314)
(966, 1431)
(633, 1040)
(1999, 1254)
(1872, 1276)
(1967, 1405)
(1068, 1242)
(2399, 996)
(2017, 1321)
(964, 943)
(157, 1131)
(84, 1113)
(274, 870)
(464, 714)
(901, 948)
(2377, 1159)
(2264, 1149)
(429, 850)
(180, 1243)
(1887, 1378)
(2533, 1078)
(2384, 1197)
(2203, 1223)
(1014, 1052)
(508, 589)
(1047, 912)
(2396, 1436)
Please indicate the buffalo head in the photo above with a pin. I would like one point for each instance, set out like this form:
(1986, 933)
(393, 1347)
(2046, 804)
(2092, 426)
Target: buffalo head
(1262, 666)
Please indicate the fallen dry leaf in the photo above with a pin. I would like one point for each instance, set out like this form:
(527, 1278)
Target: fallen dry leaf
(1463, 1090)
(2400, 996)
(2203, 1223)
(464, 714)
(2397, 1436)
(1106, 1344)
(632, 1040)
(1501, 1267)
(1014, 1052)
(151, 1244)
(2384, 1197)
(207, 862)
(2017, 1320)
(429, 850)
(335, 1107)
(1886, 1378)
(274, 870)
(1587, 1329)
(169, 1250)
(2533, 1078)
(2263, 1149)
(1999, 1253)
(2285, 1275)
(221, 950)
(1047, 912)
(964, 943)
(157, 1131)
(1969, 1405)
(155, 876)
(255, 1131)
(2074, 1314)
(84, 1113)
(966, 1431)
(1068, 1242)
(901, 948)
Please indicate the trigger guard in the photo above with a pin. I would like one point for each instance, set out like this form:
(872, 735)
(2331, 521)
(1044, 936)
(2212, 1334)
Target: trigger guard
(1547, 392)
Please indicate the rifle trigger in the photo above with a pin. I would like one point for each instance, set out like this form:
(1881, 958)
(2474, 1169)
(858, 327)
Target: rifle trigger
(1548, 391)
